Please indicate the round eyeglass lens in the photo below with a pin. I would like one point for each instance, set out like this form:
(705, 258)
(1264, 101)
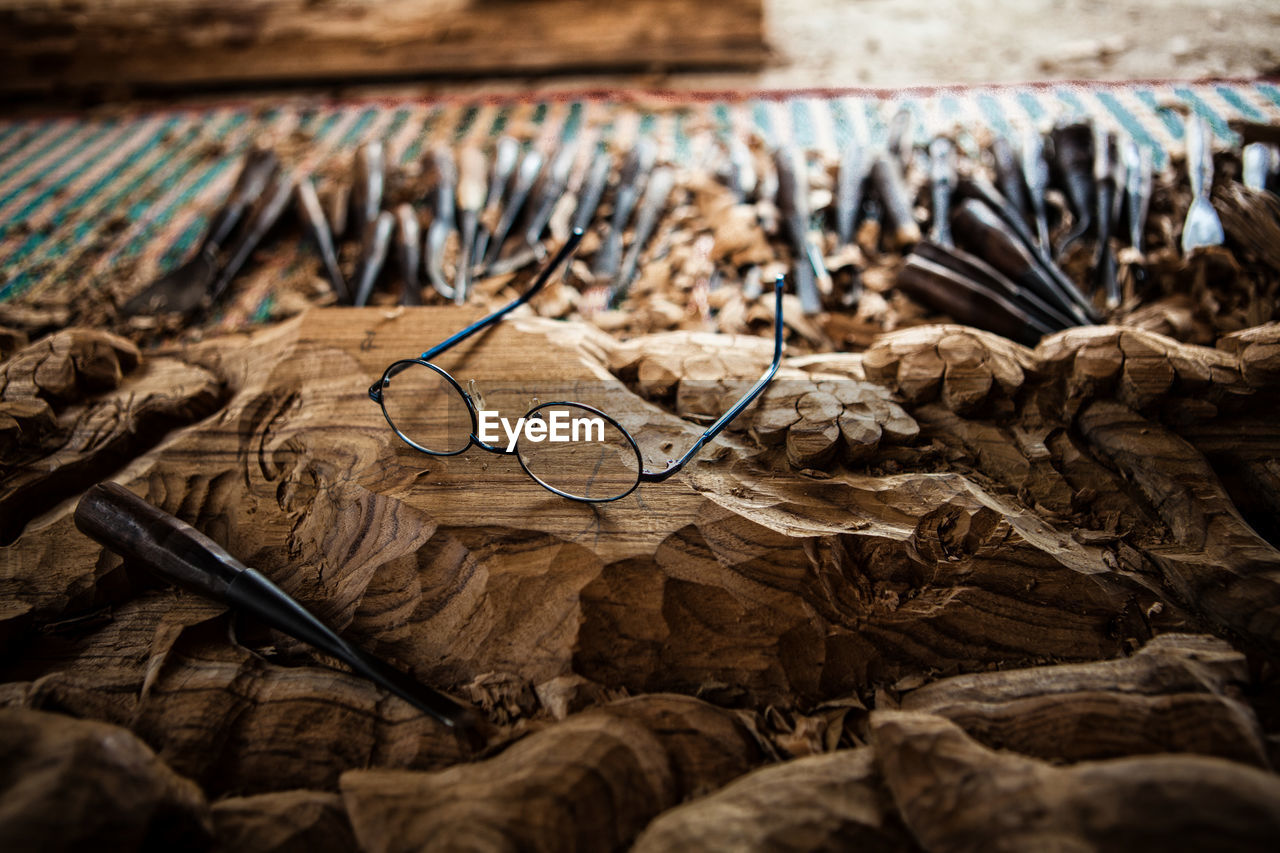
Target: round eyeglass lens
(426, 409)
(576, 451)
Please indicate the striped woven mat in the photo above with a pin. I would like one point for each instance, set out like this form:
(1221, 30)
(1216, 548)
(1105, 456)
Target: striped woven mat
(127, 196)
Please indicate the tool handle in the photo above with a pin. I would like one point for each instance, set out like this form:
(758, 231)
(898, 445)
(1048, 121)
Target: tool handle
(634, 174)
(1035, 175)
(983, 231)
(506, 154)
(126, 524)
(592, 190)
(409, 253)
(742, 175)
(942, 176)
(661, 182)
(792, 199)
(259, 165)
(638, 163)
(443, 172)
(1139, 181)
(849, 183)
(471, 180)
(890, 185)
(264, 216)
(375, 242)
(370, 183)
(526, 177)
(1199, 156)
(554, 182)
(317, 226)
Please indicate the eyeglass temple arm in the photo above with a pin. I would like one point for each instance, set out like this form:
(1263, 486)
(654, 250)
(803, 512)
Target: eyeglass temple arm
(725, 419)
(567, 249)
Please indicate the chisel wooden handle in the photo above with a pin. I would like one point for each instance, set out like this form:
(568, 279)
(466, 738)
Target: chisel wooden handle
(126, 524)
(891, 187)
(316, 225)
(264, 216)
(259, 165)
(471, 191)
(374, 245)
(371, 179)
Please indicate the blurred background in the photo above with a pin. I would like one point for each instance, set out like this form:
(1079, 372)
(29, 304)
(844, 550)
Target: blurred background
(89, 51)
(910, 42)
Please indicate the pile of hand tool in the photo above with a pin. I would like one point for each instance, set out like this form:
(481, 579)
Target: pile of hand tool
(981, 233)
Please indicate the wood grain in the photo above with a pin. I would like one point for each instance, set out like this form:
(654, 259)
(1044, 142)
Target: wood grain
(819, 803)
(174, 42)
(591, 782)
(1179, 694)
(300, 821)
(955, 794)
(1036, 547)
(70, 784)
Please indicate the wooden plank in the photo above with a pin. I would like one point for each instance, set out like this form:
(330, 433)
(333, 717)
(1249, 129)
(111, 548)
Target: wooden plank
(176, 42)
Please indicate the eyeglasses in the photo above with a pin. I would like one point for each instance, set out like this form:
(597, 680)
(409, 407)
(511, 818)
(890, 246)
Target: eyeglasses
(571, 449)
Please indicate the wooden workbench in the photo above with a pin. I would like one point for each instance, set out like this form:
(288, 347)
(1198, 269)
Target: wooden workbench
(173, 43)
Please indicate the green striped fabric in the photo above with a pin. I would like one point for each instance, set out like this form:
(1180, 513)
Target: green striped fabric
(123, 198)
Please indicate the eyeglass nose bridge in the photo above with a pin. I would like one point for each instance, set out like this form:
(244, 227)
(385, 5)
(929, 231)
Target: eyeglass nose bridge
(475, 399)
(498, 448)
